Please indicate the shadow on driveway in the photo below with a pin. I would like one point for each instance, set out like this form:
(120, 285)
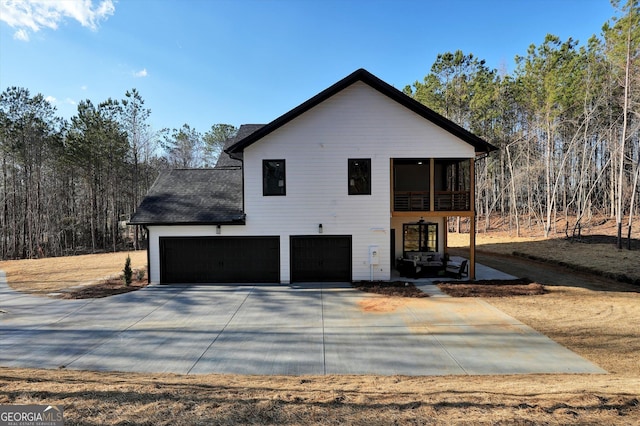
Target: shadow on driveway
(313, 328)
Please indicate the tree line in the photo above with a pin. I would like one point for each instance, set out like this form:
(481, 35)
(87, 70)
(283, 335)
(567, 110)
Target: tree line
(566, 120)
(70, 186)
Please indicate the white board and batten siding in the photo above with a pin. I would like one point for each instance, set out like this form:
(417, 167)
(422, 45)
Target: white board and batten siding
(358, 122)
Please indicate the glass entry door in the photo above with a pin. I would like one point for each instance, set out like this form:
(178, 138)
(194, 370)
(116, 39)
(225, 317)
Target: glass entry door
(420, 237)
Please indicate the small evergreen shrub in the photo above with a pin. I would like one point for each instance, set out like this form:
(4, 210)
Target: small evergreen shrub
(128, 273)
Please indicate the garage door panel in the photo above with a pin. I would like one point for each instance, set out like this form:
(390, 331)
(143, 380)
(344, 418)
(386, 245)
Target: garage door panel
(186, 260)
(219, 259)
(321, 258)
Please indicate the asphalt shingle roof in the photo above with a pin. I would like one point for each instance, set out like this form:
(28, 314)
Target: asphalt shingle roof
(197, 196)
(244, 131)
(193, 196)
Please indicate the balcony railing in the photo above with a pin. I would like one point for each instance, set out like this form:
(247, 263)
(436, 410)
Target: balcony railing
(405, 201)
(408, 201)
(452, 201)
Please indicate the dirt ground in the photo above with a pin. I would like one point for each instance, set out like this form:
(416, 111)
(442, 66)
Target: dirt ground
(593, 316)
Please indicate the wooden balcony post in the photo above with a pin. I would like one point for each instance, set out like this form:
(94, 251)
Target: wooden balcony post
(472, 218)
(432, 184)
(392, 190)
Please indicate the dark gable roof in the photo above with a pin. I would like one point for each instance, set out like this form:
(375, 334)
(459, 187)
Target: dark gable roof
(197, 196)
(245, 130)
(480, 145)
(193, 196)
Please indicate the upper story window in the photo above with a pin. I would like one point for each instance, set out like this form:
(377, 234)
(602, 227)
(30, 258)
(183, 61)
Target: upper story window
(273, 177)
(359, 176)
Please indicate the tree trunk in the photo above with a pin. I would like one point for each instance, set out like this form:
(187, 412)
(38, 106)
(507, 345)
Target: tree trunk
(5, 210)
(94, 213)
(513, 203)
(623, 137)
(632, 202)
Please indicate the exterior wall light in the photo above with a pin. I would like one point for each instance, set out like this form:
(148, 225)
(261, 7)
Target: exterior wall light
(320, 229)
(218, 229)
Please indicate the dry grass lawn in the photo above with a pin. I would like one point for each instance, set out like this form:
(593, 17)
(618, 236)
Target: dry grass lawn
(593, 316)
(118, 399)
(599, 257)
(50, 275)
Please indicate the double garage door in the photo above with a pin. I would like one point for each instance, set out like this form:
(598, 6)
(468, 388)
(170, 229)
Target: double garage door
(253, 259)
(219, 259)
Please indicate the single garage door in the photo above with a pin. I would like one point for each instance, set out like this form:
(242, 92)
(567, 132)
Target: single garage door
(219, 259)
(321, 258)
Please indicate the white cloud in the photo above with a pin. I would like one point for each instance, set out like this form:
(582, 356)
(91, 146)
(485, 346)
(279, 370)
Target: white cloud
(21, 35)
(84, 87)
(142, 73)
(53, 101)
(33, 15)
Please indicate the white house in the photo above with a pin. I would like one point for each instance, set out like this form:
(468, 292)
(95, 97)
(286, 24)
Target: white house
(334, 190)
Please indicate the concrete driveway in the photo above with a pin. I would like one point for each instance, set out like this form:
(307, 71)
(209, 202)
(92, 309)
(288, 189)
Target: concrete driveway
(274, 329)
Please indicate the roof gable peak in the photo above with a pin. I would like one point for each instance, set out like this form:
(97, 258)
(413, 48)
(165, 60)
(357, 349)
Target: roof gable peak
(361, 74)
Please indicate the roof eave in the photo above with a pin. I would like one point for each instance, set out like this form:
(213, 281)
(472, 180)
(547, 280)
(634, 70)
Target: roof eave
(190, 223)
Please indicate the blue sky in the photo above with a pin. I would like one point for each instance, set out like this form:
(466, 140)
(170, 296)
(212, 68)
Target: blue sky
(204, 62)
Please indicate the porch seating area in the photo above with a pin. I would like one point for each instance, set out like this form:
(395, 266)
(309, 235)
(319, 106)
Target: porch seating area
(458, 270)
(433, 266)
(428, 264)
(483, 272)
(420, 264)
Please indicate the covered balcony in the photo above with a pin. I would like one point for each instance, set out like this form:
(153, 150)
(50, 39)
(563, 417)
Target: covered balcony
(432, 185)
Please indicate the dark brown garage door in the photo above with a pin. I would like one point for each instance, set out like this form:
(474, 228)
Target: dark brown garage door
(219, 259)
(321, 258)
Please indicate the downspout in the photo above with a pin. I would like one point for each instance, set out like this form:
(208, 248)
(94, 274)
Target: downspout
(240, 157)
(148, 255)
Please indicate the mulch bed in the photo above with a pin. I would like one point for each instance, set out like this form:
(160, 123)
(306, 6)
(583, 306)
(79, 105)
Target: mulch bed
(395, 288)
(482, 288)
(107, 288)
(492, 288)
